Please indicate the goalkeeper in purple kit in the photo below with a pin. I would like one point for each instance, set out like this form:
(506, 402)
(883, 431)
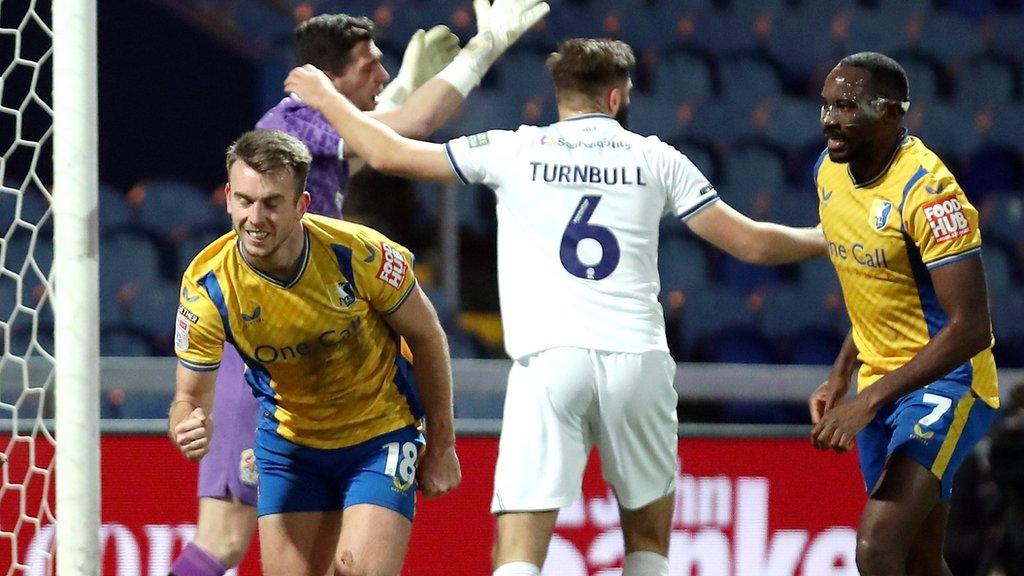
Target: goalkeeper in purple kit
(435, 78)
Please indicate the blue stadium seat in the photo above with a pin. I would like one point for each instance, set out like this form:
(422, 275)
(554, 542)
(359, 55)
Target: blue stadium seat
(755, 165)
(946, 129)
(172, 208)
(34, 210)
(681, 263)
(991, 169)
(786, 310)
(32, 339)
(711, 311)
(949, 37)
(1005, 37)
(648, 25)
(998, 268)
(729, 32)
(1008, 325)
(1002, 217)
(124, 341)
(746, 277)
(818, 276)
(576, 19)
(703, 156)
(685, 74)
(489, 110)
(817, 345)
(153, 313)
(797, 207)
(793, 123)
(113, 209)
(524, 75)
(987, 81)
(877, 31)
(190, 247)
(1008, 125)
(740, 74)
(803, 43)
(654, 114)
(720, 122)
(130, 264)
(923, 76)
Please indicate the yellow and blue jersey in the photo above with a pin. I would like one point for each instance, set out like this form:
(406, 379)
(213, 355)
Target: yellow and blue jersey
(884, 236)
(327, 369)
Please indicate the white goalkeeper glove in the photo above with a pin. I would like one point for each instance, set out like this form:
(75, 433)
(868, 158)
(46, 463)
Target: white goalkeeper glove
(427, 54)
(499, 25)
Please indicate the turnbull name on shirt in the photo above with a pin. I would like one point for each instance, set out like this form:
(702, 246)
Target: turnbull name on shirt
(585, 174)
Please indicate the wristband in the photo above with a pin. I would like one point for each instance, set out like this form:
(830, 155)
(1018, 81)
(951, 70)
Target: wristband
(461, 75)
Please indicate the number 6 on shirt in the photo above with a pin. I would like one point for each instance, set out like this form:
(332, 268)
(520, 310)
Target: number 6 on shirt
(578, 229)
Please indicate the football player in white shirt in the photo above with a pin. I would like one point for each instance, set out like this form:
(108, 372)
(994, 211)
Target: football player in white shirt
(579, 204)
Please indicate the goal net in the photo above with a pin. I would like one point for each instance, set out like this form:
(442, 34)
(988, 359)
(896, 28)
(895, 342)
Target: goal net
(47, 119)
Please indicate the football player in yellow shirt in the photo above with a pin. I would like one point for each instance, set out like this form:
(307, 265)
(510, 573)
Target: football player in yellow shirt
(321, 311)
(905, 244)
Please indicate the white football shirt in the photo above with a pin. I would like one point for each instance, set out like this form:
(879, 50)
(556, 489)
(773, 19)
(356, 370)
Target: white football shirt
(579, 204)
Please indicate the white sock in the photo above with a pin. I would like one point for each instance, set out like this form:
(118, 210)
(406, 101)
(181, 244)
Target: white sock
(645, 564)
(518, 569)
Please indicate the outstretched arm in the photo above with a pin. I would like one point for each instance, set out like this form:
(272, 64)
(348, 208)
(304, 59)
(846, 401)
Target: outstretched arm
(417, 322)
(453, 77)
(753, 241)
(383, 148)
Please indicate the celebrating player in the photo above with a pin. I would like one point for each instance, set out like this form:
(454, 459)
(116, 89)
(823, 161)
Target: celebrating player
(343, 47)
(906, 246)
(318, 309)
(579, 203)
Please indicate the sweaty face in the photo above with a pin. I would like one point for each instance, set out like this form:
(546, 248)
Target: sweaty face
(264, 211)
(851, 113)
(364, 77)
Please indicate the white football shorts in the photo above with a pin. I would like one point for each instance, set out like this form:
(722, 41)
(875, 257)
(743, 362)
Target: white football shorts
(562, 401)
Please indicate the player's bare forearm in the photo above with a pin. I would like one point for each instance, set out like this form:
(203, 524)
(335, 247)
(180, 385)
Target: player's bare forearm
(846, 360)
(188, 424)
(383, 148)
(962, 293)
(192, 390)
(784, 244)
(426, 110)
(416, 321)
(756, 242)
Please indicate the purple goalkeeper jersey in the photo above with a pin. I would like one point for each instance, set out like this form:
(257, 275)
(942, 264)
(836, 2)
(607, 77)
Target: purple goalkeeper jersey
(328, 174)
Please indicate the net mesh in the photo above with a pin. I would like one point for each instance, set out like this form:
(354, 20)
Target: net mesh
(26, 315)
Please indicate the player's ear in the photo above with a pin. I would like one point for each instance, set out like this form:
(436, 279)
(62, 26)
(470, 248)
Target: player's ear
(303, 203)
(614, 99)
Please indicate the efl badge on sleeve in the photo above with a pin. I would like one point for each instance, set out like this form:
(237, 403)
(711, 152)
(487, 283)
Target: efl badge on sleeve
(248, 474)
(947, 219)
(181, 326)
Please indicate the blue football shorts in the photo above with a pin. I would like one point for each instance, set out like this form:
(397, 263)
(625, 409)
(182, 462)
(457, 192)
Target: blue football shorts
(379, 471)
(936, 426)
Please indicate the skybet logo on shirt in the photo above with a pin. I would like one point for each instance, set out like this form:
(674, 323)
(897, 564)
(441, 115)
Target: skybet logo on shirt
(946, 218)
(392, 267)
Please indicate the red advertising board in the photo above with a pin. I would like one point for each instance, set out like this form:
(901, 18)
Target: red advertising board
(743, 507)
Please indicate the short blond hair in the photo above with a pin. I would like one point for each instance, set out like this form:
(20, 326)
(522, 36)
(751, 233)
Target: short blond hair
(588, 66)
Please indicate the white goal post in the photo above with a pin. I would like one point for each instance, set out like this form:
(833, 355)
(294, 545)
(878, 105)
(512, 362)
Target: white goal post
(49, 389)
(76, 287)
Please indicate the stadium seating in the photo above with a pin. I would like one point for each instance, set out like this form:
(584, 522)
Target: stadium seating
(734, 85)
